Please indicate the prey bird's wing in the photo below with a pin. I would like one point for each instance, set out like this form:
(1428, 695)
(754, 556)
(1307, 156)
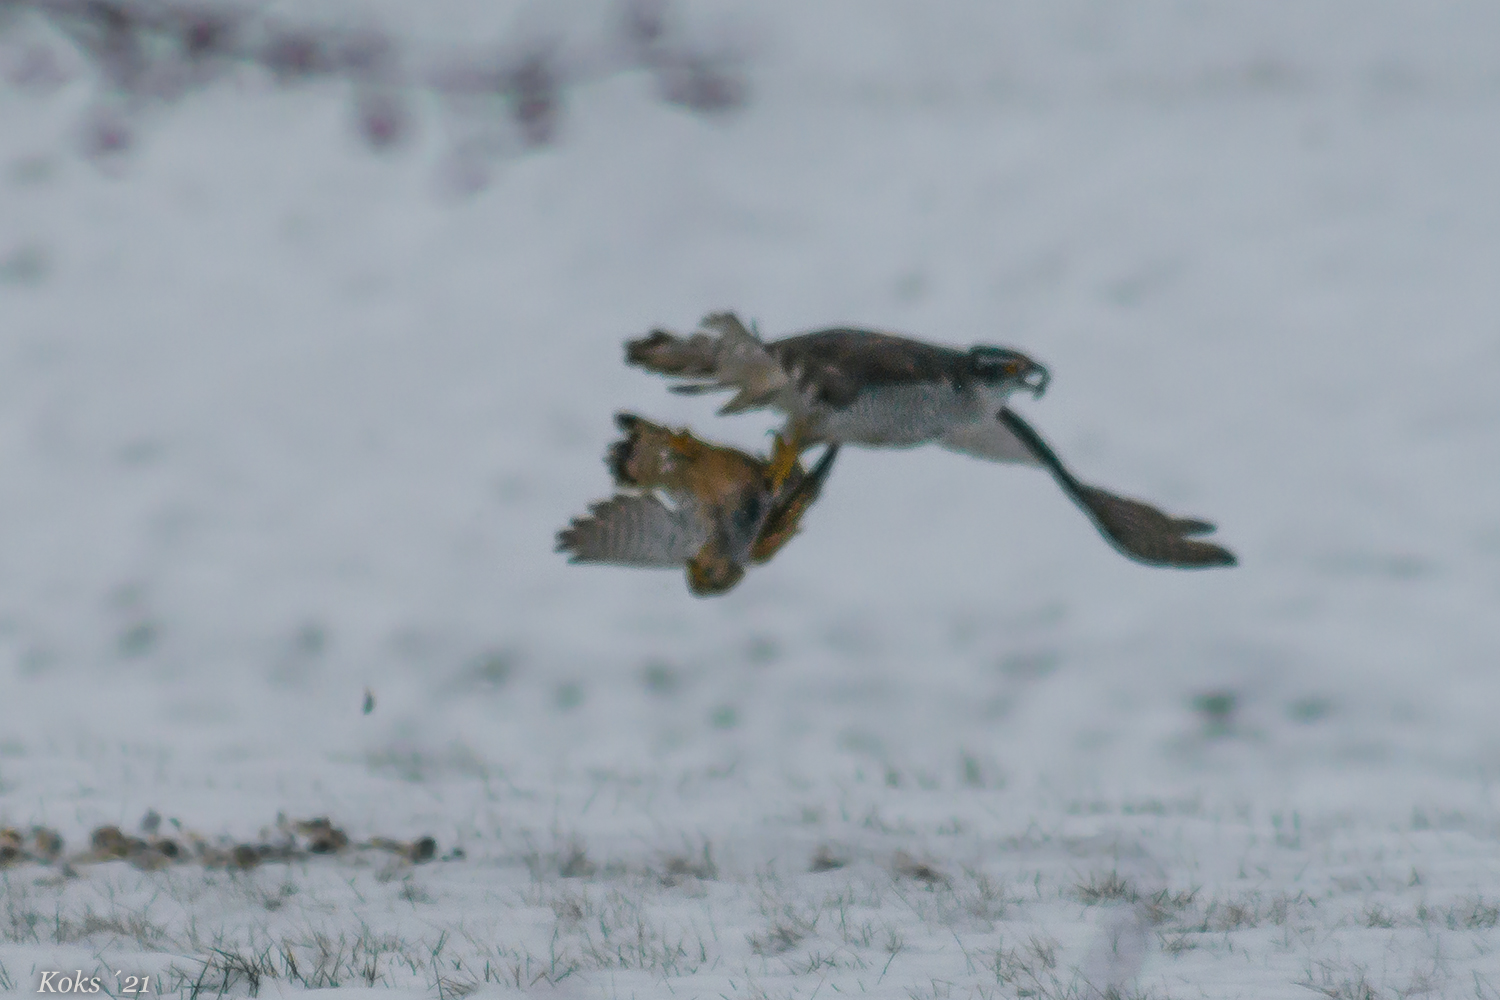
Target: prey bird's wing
(1136, 529)
(787, 511)
(634, 530)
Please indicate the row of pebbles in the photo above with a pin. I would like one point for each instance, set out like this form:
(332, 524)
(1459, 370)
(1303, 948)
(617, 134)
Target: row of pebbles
(153, 849)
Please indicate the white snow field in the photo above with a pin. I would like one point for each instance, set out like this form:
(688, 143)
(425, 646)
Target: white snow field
(283, 419)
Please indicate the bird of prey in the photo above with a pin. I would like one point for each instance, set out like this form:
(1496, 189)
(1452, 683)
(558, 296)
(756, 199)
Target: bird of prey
(685, 502)
(849, 386)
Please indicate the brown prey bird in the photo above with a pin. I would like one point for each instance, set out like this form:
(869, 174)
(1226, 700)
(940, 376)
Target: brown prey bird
(687, 502)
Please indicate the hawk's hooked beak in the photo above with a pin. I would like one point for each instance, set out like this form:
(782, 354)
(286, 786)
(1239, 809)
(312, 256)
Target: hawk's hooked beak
(1035, 377)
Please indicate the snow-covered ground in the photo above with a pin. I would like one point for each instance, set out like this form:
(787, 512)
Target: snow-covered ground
(282, 420)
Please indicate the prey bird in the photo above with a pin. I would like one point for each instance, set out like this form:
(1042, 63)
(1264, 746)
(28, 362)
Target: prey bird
(850, 386)
(685, 502)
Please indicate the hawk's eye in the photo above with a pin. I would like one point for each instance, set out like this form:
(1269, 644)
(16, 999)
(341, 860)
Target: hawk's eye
(995, 362)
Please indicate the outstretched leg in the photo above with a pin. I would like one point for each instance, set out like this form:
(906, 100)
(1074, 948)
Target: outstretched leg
(790, 505)
(787, 449)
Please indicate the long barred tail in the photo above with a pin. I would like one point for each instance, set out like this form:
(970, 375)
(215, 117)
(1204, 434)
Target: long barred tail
(633, 458)
(724, 354)
(666, 353)
(651, 456)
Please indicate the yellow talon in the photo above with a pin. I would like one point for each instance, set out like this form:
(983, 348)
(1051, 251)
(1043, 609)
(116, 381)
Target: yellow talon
(784, 455)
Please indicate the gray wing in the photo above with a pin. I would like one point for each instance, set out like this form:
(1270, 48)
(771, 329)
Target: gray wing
(634, 530)
(1137, 530)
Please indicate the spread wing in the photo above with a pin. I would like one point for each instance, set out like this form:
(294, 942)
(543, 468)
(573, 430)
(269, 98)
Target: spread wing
(633, 530)
(786, 513)
(1136, 529)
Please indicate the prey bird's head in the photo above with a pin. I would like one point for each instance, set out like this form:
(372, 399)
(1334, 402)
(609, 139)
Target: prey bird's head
(720, 564)
(740, 522)
(1007, 370)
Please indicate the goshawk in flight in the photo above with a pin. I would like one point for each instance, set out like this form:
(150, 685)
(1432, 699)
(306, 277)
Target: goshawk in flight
(847, 386)
(688, 503)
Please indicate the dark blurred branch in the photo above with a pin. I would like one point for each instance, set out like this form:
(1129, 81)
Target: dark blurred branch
(150, 53)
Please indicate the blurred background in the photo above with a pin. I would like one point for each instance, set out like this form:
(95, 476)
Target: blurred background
(310, 339)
